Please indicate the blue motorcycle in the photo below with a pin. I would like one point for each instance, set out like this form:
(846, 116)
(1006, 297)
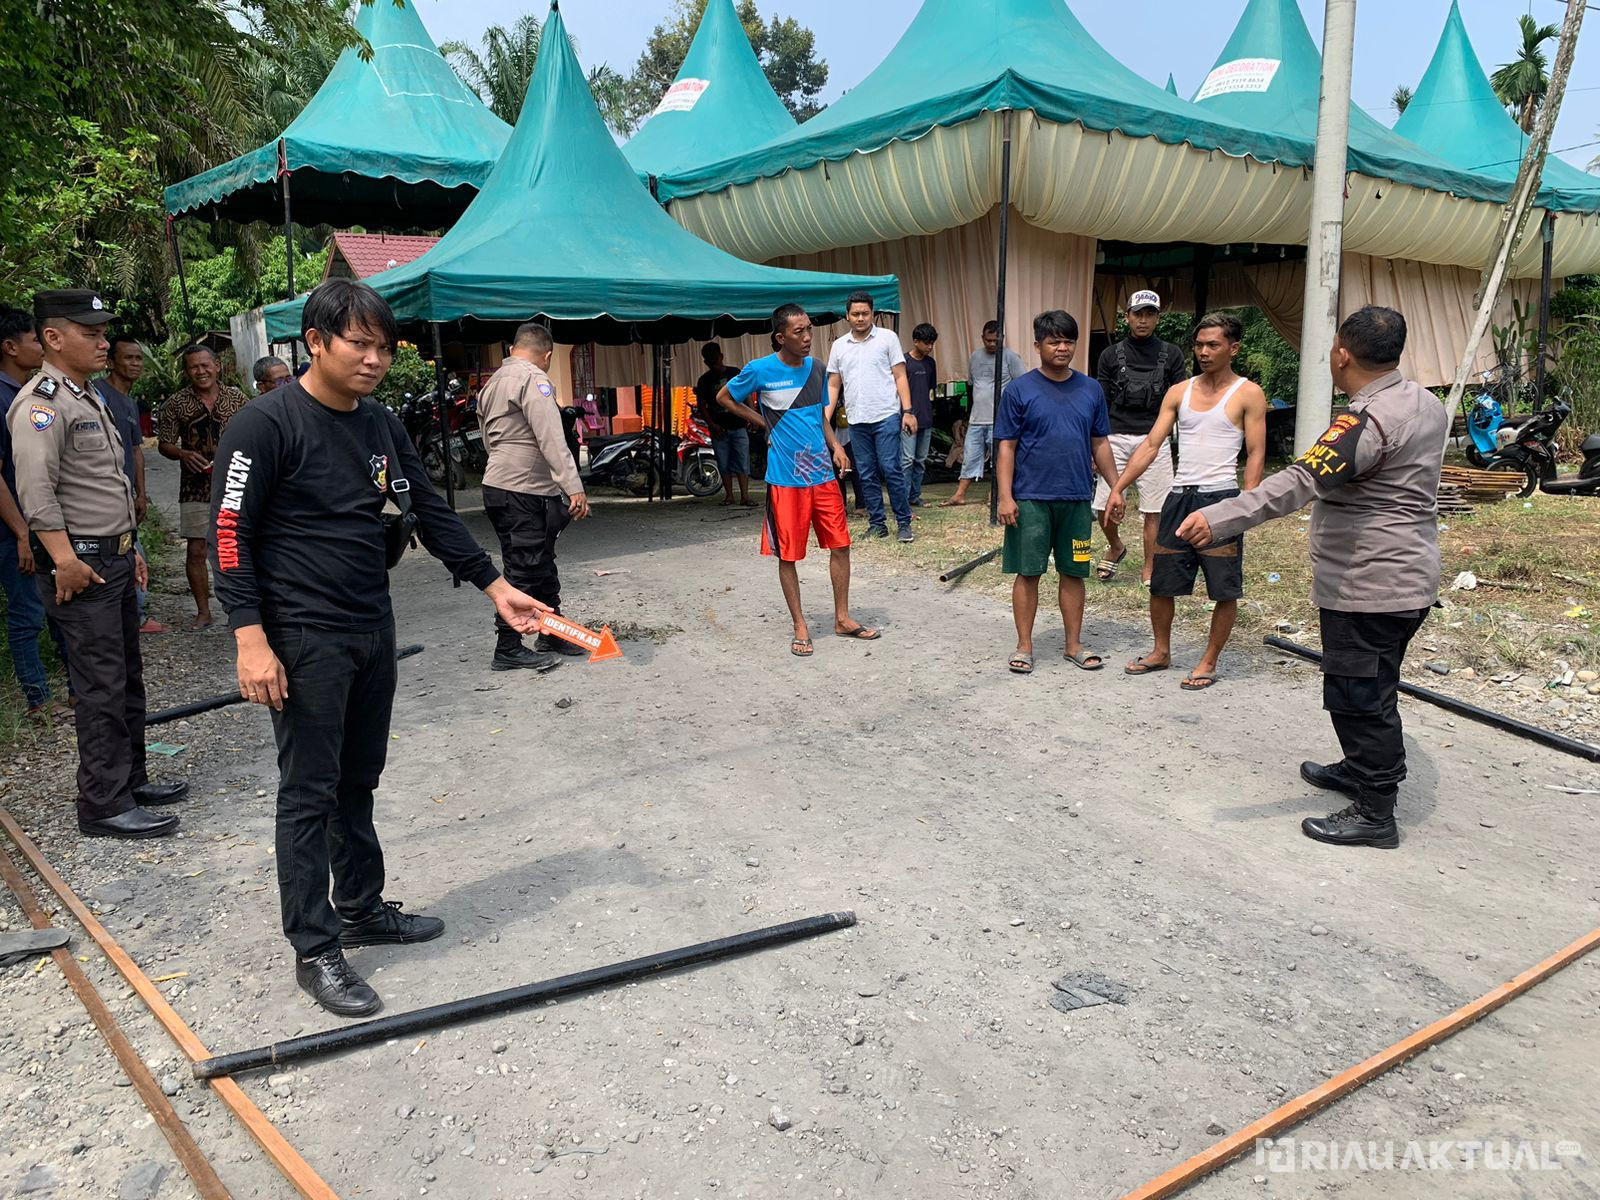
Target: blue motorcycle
(1484, 418)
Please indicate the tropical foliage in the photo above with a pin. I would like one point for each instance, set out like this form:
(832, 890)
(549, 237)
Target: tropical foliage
(500, 69)
(1522, 82)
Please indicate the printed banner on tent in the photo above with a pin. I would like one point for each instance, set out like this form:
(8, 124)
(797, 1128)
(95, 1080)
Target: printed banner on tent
(682, 96)
(1240, 75)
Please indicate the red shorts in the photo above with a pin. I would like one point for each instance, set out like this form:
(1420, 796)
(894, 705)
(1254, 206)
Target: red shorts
(793, 511)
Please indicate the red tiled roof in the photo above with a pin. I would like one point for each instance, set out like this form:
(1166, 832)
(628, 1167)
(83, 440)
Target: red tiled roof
(369, 253)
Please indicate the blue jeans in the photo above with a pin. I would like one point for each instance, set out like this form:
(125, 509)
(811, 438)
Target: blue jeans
(877, 453)
(24, 623)
(979, 443)
(914, 449)
(732, 448)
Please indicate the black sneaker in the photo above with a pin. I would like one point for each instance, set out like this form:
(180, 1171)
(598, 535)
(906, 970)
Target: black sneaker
(386, 925)
(554, 645)
(1330, 778)
(334, 984)
(522, 659)
(905, 534)
(877, 531)
(1353, 826)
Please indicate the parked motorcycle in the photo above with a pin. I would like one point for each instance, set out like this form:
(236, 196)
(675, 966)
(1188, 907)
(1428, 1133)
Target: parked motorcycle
(420, 415)
(1532, 455)
(631, 462)
(697, 461)
(1587, 481)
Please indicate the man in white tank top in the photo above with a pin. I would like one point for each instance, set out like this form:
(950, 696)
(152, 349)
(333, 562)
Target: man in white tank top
(1215, 413)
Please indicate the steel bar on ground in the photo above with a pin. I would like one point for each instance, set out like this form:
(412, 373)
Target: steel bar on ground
(273, 1144)
(365, 1033)
(957, 572)
(193, 1160)
(1534, 733)
(1000, 309)
(1288, 1115)
(179, 711)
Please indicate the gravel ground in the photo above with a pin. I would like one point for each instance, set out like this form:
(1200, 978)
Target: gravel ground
(992, 833)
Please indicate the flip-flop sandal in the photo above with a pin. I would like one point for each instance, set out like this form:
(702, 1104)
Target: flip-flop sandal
(1140, 666)
(801, 648)
(952, 504)
(1106, 569)
(1199, 683)
(1081, 661)
(859, 634)
(1021, 664)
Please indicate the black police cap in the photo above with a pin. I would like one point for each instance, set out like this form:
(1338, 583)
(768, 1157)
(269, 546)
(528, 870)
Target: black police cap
(72, 304)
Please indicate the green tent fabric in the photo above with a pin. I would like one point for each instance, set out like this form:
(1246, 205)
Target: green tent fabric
(720, 104)
(1172, 85)
(396, 142)
(1269, 76)
(960, 58)
(562, 231)
(1456, 115)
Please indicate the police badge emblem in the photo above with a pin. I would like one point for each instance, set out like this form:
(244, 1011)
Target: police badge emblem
(41, 417)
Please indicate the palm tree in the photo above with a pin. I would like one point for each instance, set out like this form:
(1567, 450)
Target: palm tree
(1521, 83)
(1401, 98)
(500, 72)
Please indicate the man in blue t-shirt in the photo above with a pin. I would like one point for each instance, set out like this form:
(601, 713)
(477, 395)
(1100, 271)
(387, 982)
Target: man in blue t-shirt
(803, 459)
(1051, 435)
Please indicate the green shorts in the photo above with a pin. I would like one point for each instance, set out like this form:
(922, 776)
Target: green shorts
(1045, 525)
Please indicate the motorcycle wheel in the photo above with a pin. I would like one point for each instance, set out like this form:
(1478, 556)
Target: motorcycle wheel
(701, 476)
(433, 464)
(1474, 455)
(636, 474)
(1529, 472)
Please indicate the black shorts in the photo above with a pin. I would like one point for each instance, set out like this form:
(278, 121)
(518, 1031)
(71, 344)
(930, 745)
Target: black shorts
(1177, 562)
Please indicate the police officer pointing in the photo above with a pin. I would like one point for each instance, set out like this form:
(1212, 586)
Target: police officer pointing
(80, 513)
(1374, 480)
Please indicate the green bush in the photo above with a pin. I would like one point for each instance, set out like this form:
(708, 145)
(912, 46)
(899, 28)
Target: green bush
(1577, 378)
(409, 372)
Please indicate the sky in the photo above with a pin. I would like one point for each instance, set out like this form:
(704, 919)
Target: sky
(1394, 40)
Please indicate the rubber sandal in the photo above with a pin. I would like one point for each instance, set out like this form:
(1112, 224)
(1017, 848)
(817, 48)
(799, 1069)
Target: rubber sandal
(1106, 569)
(1021, 664)
(859, 634)
(1199, 683)
(1081, 661)
(801, 648)
(952, 504)
(1140, 667)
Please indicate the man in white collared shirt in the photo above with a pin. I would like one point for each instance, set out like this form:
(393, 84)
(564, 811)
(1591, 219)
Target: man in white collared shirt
(867, 369)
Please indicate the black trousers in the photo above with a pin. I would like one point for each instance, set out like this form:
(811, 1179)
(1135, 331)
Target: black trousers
(333, 738)
(528, 527)
(100, 626)
(1361, 657)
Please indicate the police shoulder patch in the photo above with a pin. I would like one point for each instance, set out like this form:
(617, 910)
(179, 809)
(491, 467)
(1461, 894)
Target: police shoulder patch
(546, 390)
(46, 387)
(1332, 457)
(41, 416)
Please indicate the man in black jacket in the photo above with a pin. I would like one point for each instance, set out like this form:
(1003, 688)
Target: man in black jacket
(298, 547)
(1136, 374)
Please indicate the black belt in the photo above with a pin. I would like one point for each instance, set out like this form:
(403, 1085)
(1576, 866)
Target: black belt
(116, 544)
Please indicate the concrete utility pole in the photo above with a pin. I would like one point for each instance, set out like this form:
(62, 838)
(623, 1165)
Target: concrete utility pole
(1521, 202)
(1325, 238)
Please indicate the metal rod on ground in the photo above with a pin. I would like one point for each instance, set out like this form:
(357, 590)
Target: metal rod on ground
(444, 418)
(179, 711)
(1325, 236)
(1523, 194)
(1545, 737)
(957, 572)
(366, 1033)
(183, 282)
(189, 1155)
(285, 1157)
(1546, 268)
(288, 241)
(1000, 305)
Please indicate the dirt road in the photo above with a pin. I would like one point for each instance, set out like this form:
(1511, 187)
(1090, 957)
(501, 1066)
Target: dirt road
(991, 832)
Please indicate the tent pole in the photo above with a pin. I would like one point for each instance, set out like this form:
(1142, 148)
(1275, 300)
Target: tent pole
(444, 417)
(655, 410)
(1545, 272)
(668, 441)
(1000, 301)
(288, 242)
(183, 283)
(1325, 237)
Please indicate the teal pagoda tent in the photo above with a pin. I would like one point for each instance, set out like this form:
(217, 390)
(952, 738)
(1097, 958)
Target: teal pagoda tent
(719, 105)
(563, 233)
(396, 141)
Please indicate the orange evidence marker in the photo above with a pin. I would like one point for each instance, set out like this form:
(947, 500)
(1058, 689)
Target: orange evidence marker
(601, 646)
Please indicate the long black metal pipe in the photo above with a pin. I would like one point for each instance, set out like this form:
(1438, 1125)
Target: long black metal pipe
(1546, 269)
(1000, 303)
(365, 1033)
(179, 711)
(957, 572)
(183, 282)
(288, 240)
(1534, 733)
(444, 418)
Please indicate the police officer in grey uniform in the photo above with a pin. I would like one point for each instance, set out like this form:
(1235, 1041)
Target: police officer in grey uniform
(1373, 482)
(80, 513)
